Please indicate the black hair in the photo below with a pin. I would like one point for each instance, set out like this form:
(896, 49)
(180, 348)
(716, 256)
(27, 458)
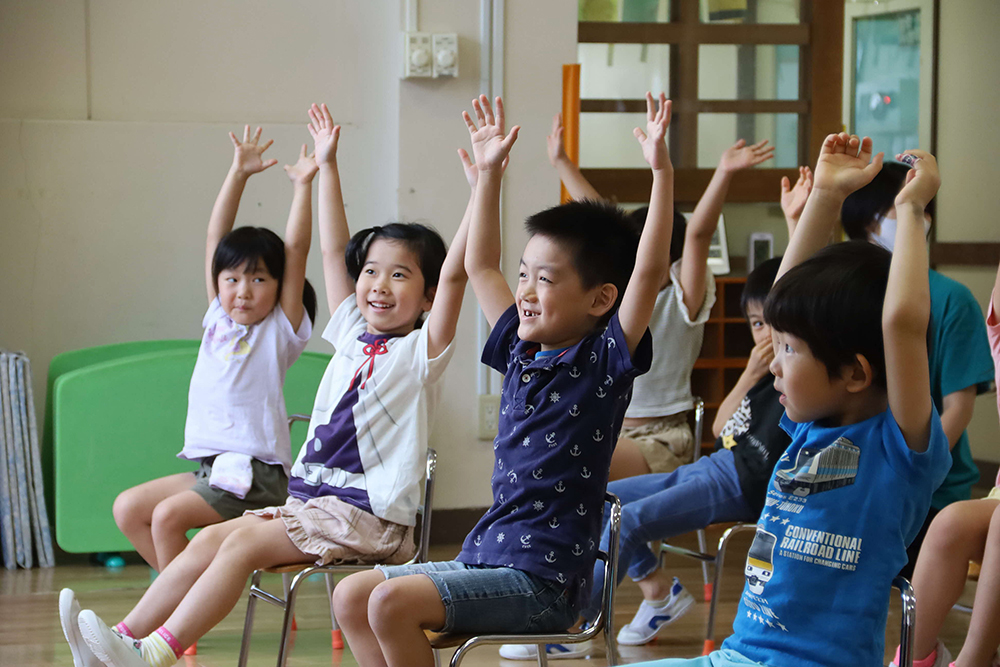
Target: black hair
(863, 207)
(833, 302)
(253, 245)
(638, 217)
(759, 283)
(421, 240)
(601, 237)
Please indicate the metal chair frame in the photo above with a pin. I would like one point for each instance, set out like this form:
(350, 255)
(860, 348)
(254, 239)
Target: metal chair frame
(909, 622)
(604, 620)
(303, 572)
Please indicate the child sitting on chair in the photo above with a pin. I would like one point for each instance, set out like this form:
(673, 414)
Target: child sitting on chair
(850, 335)
(569, 344)
(355, 486)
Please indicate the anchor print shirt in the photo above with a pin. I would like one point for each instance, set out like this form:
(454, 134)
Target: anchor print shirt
(367, 439)
(559, 421)
(236, 401)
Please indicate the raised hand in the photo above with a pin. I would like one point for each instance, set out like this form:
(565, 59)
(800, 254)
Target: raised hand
(845, 164)
(325, 134)
(793, 197)
(490, 144)
(922, 181)
(304, 169)
(248, 156)
(654, 139)
(740, 156)
(471, 170)
(554, 141)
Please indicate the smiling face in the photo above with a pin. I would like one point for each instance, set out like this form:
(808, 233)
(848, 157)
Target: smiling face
(247, 296)
(390, 289)
(807, 390)
(553, 306)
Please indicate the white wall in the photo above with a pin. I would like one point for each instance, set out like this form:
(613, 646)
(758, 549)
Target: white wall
(113, 146)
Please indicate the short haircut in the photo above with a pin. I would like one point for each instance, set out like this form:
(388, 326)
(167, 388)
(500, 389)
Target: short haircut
(638, 217)
(602, 239)
(868, 204)
(421, 240)
(833, 302)
(255, 245)
(759, 284)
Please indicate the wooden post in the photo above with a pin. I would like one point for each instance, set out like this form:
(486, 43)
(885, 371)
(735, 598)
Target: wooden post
(571, 119)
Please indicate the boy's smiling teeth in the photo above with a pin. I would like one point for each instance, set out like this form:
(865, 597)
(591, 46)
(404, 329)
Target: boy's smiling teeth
(528, 313)
(380, 305)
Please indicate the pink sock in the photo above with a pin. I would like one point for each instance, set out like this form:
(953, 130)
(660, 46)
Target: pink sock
(926, 662)
(171, 641)
(122, 629)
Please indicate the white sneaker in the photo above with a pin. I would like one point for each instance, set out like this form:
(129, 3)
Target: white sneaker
(943, 658)
(653, 617)
(111, 649)
(69, 610)
(552, 651)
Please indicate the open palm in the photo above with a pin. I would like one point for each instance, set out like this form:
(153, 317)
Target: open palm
(248, 156)
(490, 145)
(654, 139)
(325, 134)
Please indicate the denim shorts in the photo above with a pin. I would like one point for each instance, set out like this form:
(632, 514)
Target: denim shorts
(484, 598)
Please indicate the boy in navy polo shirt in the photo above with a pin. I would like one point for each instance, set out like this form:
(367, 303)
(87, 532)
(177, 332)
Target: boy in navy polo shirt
(570, 343)
(849, 326)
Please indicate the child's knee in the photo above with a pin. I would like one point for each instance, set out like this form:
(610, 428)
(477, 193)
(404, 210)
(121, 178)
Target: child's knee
(126, 509)
(350, 597)
(170, 517)
(387, 606)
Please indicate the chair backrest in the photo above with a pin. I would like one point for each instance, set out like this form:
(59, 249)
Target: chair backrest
(605, 618)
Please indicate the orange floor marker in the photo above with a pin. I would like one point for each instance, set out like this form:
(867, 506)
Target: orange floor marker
(336, 639)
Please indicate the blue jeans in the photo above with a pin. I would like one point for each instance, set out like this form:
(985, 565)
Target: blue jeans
(663, 505)
(498, 600)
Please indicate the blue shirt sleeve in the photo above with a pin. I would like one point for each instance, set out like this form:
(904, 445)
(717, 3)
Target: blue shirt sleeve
(930, 465)
(499, 348)
(619, 363)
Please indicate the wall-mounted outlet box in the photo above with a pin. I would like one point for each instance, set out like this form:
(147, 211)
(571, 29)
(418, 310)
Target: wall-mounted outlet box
(417, 55)
(489, 416)
(445, 48)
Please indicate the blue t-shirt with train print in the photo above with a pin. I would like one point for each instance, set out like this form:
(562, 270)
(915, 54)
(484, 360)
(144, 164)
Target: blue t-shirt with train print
(559, 420)
(842, 505)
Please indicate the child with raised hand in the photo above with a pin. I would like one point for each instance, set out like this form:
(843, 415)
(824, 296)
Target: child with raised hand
(793, 197)
(656, 437)
(255, 328)
(355, 486)
(569, 342)
(850, 333)
(964, 531)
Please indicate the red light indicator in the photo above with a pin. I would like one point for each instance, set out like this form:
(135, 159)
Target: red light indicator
(887, 99)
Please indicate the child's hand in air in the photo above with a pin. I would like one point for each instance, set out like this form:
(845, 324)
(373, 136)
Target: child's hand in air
(471, 170)
(554, 141)
(304, 169)
(793, 197)
(845, 164)
(490, 144)
(325, 134)
(922, 181)
(654, 139)
(248, 157)
(740, 156)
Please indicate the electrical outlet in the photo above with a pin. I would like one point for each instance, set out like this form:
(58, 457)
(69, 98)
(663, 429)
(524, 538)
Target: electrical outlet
(445, 48)
(417, 55)
(489, 416)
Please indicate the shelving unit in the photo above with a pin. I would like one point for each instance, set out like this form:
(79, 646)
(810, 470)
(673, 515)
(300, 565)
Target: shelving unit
(724, 352)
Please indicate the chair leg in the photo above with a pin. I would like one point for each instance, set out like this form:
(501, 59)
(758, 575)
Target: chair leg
(289, 618)
(286, 579)
(707, 589)
(543, 657)
(909, 620)
(336, 637)
(248, 623)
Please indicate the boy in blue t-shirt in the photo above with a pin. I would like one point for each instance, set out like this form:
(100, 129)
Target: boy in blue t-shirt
(850, 334)
(569, 342)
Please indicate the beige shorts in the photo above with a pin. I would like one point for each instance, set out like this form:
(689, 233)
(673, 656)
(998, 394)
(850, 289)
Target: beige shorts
(666, 443)
(337, 532)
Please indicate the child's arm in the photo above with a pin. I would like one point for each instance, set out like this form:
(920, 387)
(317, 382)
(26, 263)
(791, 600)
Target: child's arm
(907, 308)
(577, 186)
(333, 231)
(247, 161)
(793, 197)
(443, 319)
(704, 220)
(845, 164)
(652, 260)
(490, 147)
(760, 361)
(298, 236)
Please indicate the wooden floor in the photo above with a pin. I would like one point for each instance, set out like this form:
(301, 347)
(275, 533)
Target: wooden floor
(30, 633)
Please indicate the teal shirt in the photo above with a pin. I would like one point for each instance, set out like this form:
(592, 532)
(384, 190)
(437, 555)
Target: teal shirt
(959, 358)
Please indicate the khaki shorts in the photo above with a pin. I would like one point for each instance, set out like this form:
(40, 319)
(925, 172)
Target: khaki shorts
(666, 443)
(337, 532)
(270, 486)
